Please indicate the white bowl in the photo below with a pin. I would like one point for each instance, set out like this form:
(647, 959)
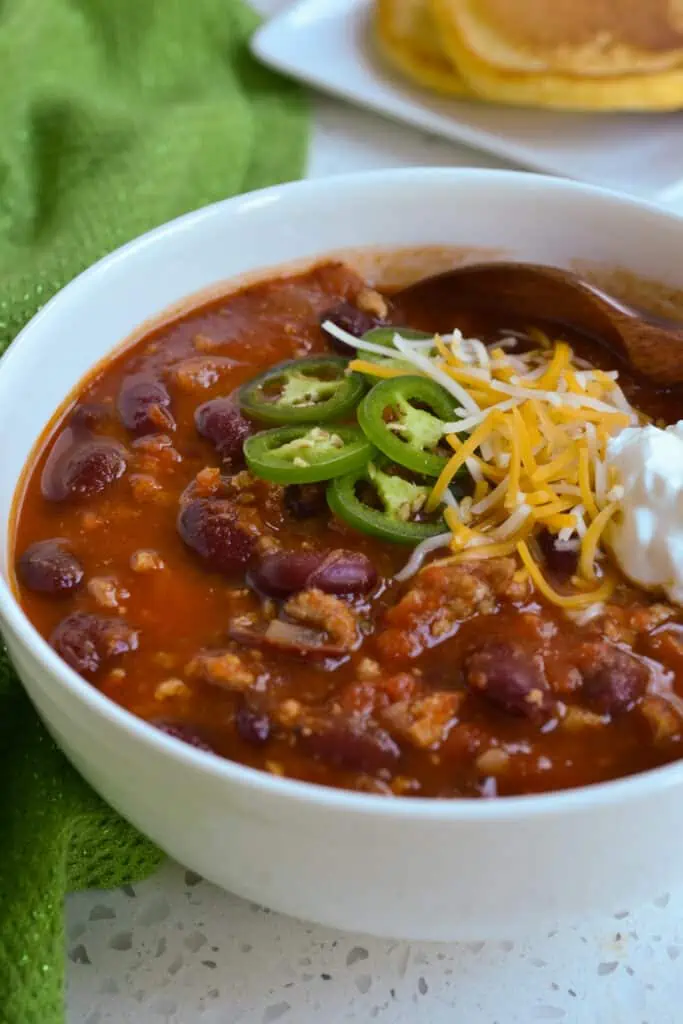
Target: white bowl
(421, 869)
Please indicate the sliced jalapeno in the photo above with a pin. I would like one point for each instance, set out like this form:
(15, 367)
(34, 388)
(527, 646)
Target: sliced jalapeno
(393, 417)
(315, 390)
(302, 455)
(400, 503)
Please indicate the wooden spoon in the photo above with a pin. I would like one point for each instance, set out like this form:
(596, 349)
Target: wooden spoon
(652, 345)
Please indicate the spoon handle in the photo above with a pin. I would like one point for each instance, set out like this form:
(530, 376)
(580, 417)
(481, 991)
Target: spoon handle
(536, 293)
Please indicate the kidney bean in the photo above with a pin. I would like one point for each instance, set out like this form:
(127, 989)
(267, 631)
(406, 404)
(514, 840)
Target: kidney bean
(144, 405)
(88, 415)
(508, 676)
(50, 568)
(182, 731)
(305, 501)
(211, 528)
(220, 422)
(252, 726)
(334, 572)
(79, 467)
(344, 572)
(351, 319)
(85, 641)
(561, 564)
(283, 572)
(613, 680)
(351, 746)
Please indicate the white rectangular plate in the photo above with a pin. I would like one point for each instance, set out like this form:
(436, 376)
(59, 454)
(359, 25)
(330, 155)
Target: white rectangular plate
(328, 44)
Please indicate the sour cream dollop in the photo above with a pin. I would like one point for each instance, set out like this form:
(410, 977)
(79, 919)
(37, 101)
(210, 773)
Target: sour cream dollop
(646, 537)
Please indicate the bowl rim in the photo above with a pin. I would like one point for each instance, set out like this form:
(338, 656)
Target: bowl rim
(446, 810)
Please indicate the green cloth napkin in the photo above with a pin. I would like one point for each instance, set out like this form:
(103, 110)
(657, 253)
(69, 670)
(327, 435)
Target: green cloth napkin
(117, 115)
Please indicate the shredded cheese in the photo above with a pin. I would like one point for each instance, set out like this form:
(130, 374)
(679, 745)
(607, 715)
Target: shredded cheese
(375, 369)
(431, 369)
(585, 483)
(589, 545)
(602, 593)
(414, 563)
(486, 551)
(460, 458)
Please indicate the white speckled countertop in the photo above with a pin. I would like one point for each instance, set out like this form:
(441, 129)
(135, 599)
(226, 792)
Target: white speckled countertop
(176, 950)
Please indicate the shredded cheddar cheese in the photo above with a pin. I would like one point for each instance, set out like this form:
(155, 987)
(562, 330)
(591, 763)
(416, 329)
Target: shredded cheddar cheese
(375, 369)
(589, 544)
(541, 449)
(463, 452)
(602, 593)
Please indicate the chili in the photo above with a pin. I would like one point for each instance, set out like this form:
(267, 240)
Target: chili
(243, 616)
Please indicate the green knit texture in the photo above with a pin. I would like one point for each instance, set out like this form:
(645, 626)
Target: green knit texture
(117, 115)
